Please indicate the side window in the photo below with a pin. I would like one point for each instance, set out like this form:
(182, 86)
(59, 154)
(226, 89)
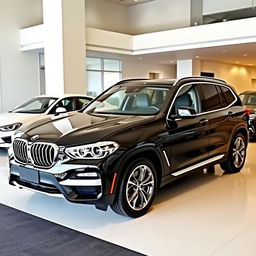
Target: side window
(80, 102)
(211, 99)
(187, 102)
(228, 95)
(223, 100)
(65, 103)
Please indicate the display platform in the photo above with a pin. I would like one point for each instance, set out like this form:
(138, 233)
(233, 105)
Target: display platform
(204, 215)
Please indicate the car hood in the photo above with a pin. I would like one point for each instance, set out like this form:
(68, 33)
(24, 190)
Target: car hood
(11, 118)
(81, 128)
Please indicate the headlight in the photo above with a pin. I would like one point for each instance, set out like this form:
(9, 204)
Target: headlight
(10, 127)
(97, 150)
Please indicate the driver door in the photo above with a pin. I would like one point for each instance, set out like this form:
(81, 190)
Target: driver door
(188, 128)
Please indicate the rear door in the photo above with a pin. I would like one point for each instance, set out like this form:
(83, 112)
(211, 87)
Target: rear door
(216, 103)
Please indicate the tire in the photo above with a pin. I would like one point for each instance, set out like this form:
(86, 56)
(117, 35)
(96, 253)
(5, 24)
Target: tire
(137, 189)
(236, 155)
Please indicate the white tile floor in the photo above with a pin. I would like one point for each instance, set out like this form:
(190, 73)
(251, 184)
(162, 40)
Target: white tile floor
(204, 214)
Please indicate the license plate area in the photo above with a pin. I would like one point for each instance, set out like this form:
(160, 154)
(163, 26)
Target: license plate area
(29, 175)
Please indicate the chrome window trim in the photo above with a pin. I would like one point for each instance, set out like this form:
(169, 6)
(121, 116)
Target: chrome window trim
(207, 112)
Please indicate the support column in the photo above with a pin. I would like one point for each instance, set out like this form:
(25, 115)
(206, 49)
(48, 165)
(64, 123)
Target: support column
(65, 46)
(188, 68)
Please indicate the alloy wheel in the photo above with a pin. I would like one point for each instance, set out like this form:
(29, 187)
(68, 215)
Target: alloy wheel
(140, 187)
(239, 152)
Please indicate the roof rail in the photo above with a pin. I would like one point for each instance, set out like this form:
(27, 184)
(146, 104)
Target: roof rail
(131, 79)
(204, 77)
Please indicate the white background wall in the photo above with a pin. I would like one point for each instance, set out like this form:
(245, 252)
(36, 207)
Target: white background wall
(142, 18)
(215, 6)
(159, 15)
(238, 76)
(106, 15)
(141, 69)
(19, 74)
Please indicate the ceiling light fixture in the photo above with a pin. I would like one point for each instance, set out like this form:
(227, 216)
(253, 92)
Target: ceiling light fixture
(245, 54)
(197, 57)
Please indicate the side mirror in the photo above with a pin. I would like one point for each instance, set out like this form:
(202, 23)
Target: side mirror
(185, 112)
(60, 110)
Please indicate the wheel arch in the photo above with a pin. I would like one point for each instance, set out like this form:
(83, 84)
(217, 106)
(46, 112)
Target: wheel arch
(148, 152)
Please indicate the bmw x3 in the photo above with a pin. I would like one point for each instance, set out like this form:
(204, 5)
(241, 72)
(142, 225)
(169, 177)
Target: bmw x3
(134, 138)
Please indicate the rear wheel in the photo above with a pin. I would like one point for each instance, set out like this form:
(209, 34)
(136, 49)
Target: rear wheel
(137, 189)
(236, 155)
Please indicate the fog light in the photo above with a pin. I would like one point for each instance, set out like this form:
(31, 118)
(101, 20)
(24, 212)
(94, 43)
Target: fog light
(60, 176)
(87, 174)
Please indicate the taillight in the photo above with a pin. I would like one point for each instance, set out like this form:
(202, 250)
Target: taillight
(247, 111)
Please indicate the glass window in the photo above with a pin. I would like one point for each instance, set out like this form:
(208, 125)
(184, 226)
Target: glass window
(94, 83)
(187, 102)
(228, 95)
(93, 64)
(112, 65)
(111, 78)
(211, 100)
(80, 103)
(101, 74)
(223, 100)
(130, 100)
(35, 105)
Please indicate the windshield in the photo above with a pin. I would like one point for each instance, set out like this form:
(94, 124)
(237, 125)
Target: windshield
(35, 106)
(248, 99)
(134, 100)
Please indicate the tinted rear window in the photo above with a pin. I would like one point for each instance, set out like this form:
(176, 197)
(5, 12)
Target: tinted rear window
(211, 99)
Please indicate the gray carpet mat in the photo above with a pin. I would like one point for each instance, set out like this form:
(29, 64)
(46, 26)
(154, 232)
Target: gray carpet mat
(22, 234)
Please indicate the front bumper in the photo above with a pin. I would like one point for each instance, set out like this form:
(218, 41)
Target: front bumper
(77, 183)
(252, 128)
(6, 139)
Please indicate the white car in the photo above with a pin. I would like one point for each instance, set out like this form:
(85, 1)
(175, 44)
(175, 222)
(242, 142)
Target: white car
(35, 109)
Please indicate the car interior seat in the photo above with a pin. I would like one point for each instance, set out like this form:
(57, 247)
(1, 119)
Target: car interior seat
(142, 100)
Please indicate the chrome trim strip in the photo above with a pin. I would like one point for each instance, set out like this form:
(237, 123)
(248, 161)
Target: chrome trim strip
(58, 168)
(188, 169)
(38, 191)
(202, 113)
(84, 182)
(166, 158)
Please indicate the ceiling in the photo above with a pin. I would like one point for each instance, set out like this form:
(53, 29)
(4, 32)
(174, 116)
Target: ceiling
(131, 2)
(242, 54)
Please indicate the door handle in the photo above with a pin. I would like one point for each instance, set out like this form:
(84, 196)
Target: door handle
(203, 121)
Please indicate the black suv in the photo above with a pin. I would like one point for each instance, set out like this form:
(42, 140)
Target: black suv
(249, 100)
(135, 137)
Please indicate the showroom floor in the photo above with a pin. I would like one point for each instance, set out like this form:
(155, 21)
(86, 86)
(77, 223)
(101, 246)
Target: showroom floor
(204, 214)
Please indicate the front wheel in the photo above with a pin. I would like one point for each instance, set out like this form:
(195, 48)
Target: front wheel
(236, 155)
(137, 189)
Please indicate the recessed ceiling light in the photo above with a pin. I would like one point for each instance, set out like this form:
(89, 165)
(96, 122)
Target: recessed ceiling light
(245, 54)
(250, 64)
(172, 61)
(197, 57)
(224, 50)
(140, 58)
(237, 62)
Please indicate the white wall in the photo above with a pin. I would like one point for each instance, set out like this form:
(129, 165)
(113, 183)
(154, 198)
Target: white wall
(238, 76)
(140, 69)
(215, 6)
(19, 73)
(107, 15)
(159, 15)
